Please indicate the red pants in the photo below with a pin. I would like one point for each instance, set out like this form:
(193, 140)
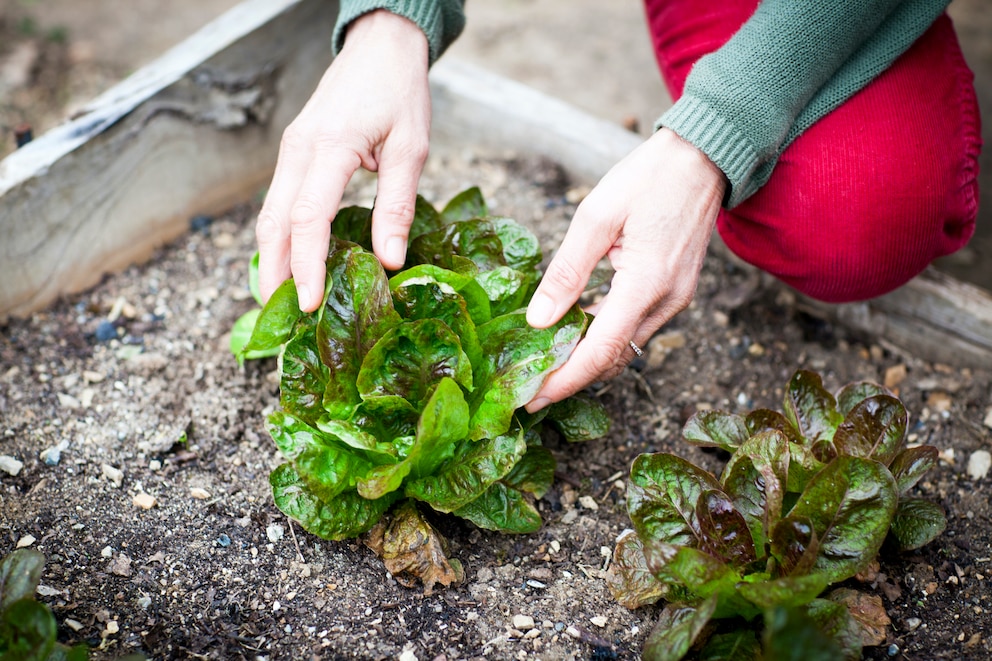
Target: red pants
(868, 196)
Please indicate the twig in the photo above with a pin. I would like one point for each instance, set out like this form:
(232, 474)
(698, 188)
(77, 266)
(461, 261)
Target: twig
(295, 541)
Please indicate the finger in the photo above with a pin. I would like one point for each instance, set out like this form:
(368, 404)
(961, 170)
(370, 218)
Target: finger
(272, 229)
(585, 243)
(628, 313)
(396, 203)
(313, 210)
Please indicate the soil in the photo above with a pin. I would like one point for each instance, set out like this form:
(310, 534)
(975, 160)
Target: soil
(129, 389)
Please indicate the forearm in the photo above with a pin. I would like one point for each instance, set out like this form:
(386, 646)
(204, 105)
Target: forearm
(441, 20)
(789, 64)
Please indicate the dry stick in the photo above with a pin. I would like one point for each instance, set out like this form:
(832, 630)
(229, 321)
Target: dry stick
(293, 533)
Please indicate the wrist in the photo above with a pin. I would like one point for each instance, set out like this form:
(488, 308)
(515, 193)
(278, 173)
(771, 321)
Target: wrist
(695, 161)
(382, 26)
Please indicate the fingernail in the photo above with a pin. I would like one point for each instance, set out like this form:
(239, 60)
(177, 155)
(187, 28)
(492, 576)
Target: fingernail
(537, 404)
(396, 250)
(540, 310)
(303, 295)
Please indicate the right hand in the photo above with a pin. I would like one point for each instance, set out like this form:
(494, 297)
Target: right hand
(371, 109)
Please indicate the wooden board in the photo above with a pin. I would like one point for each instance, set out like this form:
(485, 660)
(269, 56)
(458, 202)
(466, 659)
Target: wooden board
(198, 130)
(195, 132)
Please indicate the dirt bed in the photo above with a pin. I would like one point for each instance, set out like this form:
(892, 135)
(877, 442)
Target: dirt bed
(128, 390)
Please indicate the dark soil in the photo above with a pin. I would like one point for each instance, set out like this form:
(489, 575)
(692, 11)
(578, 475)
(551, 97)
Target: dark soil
(134, 376)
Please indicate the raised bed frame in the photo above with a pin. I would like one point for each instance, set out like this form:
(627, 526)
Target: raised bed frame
(197, 131)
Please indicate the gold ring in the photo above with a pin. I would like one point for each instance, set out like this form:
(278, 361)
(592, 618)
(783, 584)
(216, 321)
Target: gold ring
(636, 349)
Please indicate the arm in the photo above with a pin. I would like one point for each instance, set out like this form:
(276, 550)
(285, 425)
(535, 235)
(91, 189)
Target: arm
(790, 64)
(440, 20)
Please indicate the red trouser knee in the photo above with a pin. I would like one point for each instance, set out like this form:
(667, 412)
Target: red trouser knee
(874, 191)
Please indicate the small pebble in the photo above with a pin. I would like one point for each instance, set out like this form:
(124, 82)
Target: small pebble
(75, 625)
(107, 552)
(199, 494)
(115, 475)
(274, 532)
(913, 623)
(599, 621)
(589, 503)
(26, 541)
(113, 627)
(979, 464)
(145, 501)
(10, 465)
(224, 540)
(523, 622)
(144, 602)
(105, 332)
(893, 650)
(52, 456)
(536, 584)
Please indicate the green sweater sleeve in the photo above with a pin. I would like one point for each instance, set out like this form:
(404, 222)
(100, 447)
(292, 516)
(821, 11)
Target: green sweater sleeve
(441, 20)
(791, 63)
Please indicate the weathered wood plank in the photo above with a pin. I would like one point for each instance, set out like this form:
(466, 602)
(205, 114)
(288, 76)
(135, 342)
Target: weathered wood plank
(196, 131)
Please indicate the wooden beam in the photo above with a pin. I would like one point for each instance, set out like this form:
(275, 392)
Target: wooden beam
(196, 131)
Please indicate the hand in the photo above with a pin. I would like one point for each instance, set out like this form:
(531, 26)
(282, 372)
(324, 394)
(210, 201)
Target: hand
(371, 109)
(652, 215)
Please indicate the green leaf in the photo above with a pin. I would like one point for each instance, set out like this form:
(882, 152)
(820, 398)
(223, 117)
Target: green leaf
(466, 205)
(740, 645)
(433, 300)
(787, 591)
(534, 473)
(392, 421)
(348, 515)
(358, 312)
(803, 466)
(714, 428)
(854, 393)
(368, 445)
(837, 622)
(411, 359)
(425, 219)
(661, 498)
(912, 464)
(794, 545)
(850, 504)
(291, 435)
(27, 631)
(629, 580)
(810, 408)
(443, 422)
(755, 478)
(579, 418)
(476, 299)
(473, 468)
(761, 420)
(20, 573)
(241, 333)
(253, 286)
(329, 469)
(274, 323)
(521, 249)
(874, 428)
(702, 574)
(304, 375)
(677, 631)
(723, 531)
(917, 522)
(354, 224)
(475, 241)
(507, 289)
(792, 635)
(517, 360)
(502, 508)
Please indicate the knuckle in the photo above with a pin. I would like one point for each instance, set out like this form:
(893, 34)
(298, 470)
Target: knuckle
(396, 210)
(562, 275)
(268, 227)
(307, 211)
(607, 359)
(294, 139)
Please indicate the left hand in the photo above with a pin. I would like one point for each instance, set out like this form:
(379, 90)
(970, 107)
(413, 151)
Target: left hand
(652, 216)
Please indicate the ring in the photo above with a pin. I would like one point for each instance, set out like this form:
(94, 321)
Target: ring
(636, 349)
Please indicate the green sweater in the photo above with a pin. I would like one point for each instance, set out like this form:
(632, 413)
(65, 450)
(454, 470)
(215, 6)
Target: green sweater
(791, 63)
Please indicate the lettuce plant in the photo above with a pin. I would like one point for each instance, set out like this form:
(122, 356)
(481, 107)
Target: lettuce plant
(27, 627)
(806, 500)
(407, 389)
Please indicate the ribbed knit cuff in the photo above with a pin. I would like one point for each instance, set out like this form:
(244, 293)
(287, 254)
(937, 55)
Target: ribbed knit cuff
(696, 123)
(441, 21)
